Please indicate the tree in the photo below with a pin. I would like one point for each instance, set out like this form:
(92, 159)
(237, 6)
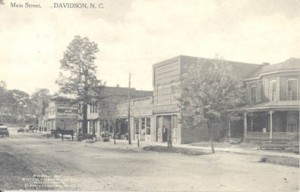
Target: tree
(39, 101)
(210, 93)
(108, 111)
(3, 98)
(78, 76)
(18, 103)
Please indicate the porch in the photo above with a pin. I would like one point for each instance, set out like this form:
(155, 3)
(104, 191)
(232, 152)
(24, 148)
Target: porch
(271, 125)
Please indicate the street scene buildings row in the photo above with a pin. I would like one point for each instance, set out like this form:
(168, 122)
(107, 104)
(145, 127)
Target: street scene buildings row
(272, 112)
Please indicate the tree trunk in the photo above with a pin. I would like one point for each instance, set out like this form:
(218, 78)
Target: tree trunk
(209, 125)
(169, 136)
(84, 119)
(114, 124)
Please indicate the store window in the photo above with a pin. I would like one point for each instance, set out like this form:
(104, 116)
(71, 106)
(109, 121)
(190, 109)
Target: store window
(148, 126)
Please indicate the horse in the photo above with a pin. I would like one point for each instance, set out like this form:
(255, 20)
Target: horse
(65, 132)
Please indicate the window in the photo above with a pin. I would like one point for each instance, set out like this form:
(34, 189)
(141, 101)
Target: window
(174, 92)
(95, 107)
(143, 124)
(91, 107)
(157, 93)
(136, 123)
(273, 91)
(291, 127)
(253, 94)
(148, 126)
(292, 91)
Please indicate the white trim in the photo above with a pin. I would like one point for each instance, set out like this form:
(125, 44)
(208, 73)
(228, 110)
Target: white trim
(296, 71)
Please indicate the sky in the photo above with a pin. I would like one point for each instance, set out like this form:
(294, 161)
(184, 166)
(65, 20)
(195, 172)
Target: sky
(132, 35)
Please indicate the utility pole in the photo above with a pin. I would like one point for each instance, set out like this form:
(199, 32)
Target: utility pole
(128, 125)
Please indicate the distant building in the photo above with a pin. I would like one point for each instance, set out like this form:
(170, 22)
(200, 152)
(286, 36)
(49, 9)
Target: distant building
(61, 113)
(141, 118)
(111, 96)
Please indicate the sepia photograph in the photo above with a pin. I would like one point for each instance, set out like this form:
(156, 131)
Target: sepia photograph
(150, 95)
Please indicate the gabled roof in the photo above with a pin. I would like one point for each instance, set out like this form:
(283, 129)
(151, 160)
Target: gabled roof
(290, 64)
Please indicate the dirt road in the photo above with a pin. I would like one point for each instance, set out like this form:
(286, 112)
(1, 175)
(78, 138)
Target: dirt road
(30, 161)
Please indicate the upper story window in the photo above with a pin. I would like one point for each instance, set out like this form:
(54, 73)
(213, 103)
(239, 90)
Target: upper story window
(93, 107)
(292, 89)
(253, 90)
(273, 90)
(174, 92)
(158, 90)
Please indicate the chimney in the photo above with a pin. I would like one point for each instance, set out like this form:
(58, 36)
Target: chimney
(265, 63)
(117, 85)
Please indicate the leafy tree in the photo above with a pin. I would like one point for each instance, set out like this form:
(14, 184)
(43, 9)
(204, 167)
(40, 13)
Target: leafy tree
(3, 97)
(210, 90)
(78, 73)
(18, 103)
(39, 101)
(108, 111)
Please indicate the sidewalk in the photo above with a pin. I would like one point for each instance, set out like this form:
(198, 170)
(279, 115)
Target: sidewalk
(246, 151)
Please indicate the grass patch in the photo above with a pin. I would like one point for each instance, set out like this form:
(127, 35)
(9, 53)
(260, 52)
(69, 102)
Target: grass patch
(164, 149)
(12, 170)
(15, 171)
(288, 161)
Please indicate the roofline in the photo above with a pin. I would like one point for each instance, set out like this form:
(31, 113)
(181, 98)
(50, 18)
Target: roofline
(181, 56)
(166, 61)
(271, 73)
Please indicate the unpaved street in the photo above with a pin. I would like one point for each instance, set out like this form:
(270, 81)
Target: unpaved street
(44, 164)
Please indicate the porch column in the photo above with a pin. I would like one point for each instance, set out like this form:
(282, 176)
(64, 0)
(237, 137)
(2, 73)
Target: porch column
(229, 129)
(251, 121)
(271, 124)
(245, 125)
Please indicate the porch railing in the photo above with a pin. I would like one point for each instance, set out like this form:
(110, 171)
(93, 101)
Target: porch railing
(275, 135)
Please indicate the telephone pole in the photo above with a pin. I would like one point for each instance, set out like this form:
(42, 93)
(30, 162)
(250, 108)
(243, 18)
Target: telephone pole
(128, 125)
